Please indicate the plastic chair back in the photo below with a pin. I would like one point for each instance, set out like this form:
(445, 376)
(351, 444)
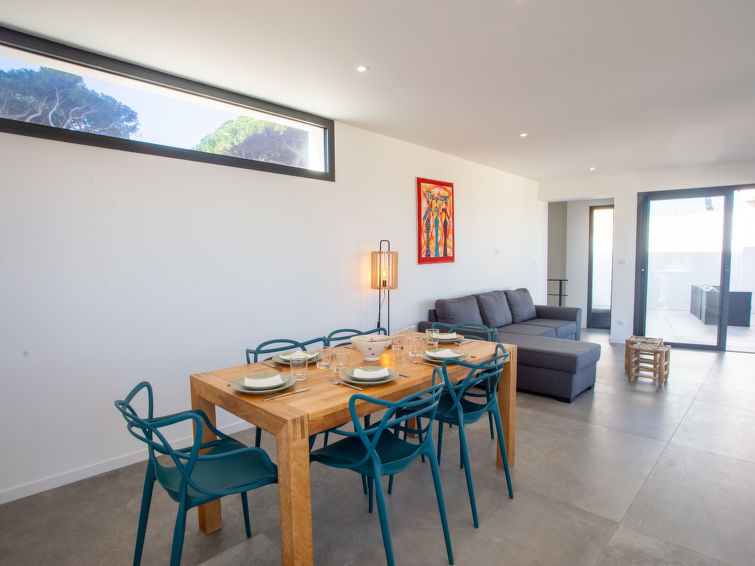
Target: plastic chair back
(469, 330)
(345, 334)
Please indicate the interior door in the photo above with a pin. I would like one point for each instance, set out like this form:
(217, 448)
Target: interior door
(600, 267)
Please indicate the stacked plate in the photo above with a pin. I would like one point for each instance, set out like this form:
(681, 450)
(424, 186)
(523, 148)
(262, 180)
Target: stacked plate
(262, 383)
(368, 375)
(440, 355)
(285, 357)
(449, 337)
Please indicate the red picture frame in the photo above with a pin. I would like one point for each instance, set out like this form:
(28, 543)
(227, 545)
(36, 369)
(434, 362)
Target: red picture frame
(435, 221)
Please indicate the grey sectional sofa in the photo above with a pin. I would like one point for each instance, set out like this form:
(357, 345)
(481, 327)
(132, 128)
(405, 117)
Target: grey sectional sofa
(551, 359)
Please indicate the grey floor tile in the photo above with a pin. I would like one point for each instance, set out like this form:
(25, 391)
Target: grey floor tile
(632, 548)
(591, 467)
(701, 501)
(721, 429)
(645, 412)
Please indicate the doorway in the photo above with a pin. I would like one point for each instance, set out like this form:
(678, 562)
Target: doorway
(694, 279)
(600, 267)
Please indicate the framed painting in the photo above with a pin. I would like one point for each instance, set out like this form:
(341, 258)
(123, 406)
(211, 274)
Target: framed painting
(435, 225)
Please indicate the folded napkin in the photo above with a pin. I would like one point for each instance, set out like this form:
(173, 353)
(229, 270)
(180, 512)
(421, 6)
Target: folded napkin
(298, 355)
(377, 373)
(445, 353)
(447, 335)
(263, 382)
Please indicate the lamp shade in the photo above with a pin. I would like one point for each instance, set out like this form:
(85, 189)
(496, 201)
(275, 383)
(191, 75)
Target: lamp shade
(384, 273)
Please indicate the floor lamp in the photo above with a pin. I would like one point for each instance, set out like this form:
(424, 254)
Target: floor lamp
(384, 277)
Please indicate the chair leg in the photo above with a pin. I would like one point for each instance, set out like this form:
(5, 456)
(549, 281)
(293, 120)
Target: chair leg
(364, 484)
(258, 437)
(441, 503)
(440, 439)
(468, 474)
(325, 439)
(149, 484)
(245, 507)
(371, 489)
(178, 533)
(502, 444)
(390, 484)
(490, 417)
(383, 518)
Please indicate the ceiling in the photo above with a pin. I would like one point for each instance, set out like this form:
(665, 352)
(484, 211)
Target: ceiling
(610, 84)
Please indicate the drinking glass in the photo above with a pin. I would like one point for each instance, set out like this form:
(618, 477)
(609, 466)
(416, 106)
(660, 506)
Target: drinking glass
(323, 362)
(299, 368)
(340, 360)
(397, 343)
(415, 346)
(431, 338)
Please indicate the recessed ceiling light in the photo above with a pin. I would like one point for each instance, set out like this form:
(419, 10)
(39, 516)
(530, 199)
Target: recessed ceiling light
(362, 68)
(522, 134)
(592, 168)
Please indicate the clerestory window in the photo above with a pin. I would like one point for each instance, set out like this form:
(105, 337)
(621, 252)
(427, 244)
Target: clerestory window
(55, 91)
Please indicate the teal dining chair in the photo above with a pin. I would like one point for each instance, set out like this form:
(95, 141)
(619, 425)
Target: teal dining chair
(345, 334)
(224, 466)
(380, 450)
(470, 330)
(473, 331)
(271, 347)
(464, 403)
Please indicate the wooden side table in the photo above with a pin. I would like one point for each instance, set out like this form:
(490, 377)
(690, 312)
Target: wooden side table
(648, 358)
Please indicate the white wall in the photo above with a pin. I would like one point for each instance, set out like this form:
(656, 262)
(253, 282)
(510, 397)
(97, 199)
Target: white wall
(624, 188)
(578, 252)
(117, 267)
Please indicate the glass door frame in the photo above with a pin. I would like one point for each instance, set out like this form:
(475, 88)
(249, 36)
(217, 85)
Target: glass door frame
(589, 319)
(642, 255)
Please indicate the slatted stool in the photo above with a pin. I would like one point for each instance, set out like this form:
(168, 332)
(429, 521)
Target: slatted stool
(631, 342)
(651, 361)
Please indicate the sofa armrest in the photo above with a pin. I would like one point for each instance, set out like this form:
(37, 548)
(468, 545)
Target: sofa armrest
(561, 313)
(423, 325)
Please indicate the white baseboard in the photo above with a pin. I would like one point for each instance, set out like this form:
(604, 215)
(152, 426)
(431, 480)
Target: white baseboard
(57, 480)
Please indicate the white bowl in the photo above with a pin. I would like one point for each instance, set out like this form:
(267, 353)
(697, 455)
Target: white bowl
(371, 345)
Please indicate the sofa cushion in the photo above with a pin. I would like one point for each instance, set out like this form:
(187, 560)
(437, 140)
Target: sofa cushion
(494, 309)
(458, 310)
(528, 329)
(521, 304)
(552, 353)
(563, 328)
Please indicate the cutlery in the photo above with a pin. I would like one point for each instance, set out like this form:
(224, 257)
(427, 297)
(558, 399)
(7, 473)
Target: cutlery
(426, 363)
(284, 394)
(465, 342)
(270, 366)
(405, 375)
(339, 382)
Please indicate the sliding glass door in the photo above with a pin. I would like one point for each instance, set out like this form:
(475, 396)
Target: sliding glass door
(696, 267)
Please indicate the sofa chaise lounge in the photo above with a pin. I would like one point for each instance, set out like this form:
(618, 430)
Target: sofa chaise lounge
(551, 359)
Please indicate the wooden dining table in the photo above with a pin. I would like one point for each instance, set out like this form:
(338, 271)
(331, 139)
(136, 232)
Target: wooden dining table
(293, 418)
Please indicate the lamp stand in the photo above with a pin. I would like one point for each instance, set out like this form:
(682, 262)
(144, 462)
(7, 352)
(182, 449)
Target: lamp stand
(382, 289)
(380, 306)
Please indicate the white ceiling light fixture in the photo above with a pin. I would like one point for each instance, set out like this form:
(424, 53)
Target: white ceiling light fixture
(523, 134)
(592, 169)
(362, 68)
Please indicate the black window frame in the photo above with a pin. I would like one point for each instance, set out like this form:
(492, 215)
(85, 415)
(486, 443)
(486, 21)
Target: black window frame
(62, 52)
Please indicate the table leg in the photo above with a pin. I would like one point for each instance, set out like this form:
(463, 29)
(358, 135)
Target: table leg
(292, 443)
(507, 405)
(210, 519)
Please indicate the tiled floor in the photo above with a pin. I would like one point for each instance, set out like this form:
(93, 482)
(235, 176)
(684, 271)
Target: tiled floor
(625, 475)
(682, 326)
